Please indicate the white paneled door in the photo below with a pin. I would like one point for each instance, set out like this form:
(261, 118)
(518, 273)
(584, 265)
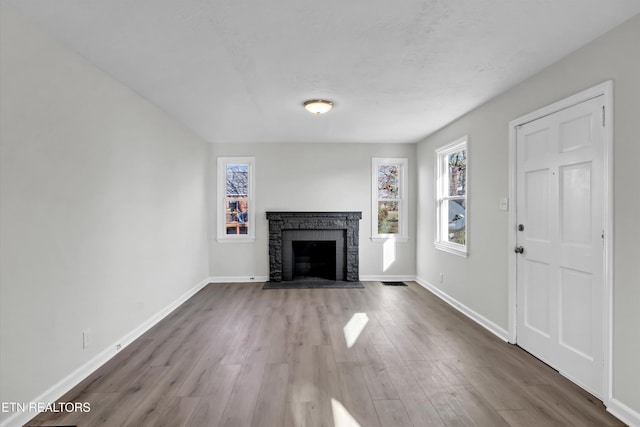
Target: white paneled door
(560, 247)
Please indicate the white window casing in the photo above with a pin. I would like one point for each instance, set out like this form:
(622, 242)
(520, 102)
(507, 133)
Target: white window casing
(235, 199)
(389, 204)
(452, 220)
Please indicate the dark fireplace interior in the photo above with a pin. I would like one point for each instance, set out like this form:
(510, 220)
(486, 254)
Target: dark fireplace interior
(317, 254)
(314, 259)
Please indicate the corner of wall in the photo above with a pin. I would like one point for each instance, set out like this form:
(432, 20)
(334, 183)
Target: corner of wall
(490, 326)
(66, 384)
(623, 413)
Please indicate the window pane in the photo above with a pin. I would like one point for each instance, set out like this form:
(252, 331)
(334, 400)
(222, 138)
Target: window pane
(235, 204)
(387, 217)
(457, 173)
(388, 181)
(237, 177)
(457, 214)
(237, 215)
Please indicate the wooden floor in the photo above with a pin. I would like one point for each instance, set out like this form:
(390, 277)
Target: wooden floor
(237, 355)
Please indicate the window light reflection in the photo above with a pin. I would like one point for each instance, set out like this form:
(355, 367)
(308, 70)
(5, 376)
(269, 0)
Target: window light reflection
(388, 254)
(342, 417)
(354, 328)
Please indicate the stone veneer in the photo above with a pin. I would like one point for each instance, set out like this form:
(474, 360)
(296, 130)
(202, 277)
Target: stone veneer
(348, 221)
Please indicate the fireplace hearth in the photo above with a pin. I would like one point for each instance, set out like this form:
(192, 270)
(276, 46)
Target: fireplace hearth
(322, 245)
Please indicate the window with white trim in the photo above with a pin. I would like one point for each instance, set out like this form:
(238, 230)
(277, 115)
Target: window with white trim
(389, 198)
(236, 209)
(451, 197)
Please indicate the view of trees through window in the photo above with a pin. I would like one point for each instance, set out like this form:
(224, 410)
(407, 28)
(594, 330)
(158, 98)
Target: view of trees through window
(388, 199)
(237, 198)
(452, 216)
(456, 206)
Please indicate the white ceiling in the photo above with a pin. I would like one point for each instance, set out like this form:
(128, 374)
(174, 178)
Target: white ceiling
(239, 70)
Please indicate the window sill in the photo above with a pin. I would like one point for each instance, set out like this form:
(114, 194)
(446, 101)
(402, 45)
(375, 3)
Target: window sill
(455, 250)
(248, 239)
(383, 239)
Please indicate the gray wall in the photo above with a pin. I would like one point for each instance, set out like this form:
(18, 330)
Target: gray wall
(103, 204)
(103, 211)
(480, 282)
(310, 177)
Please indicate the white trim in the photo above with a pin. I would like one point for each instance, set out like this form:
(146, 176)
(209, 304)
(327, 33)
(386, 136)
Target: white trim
(386, 239)
(607, 88)
(238, 238)
(382, 278)
(512, 271)
(221, 235)
(615, 407)
(452, 248)
(238, 279)
(76, 377)
(623, 413)
(490, 326)
(403, 201)
(259, 279)
(604, 89)
(438, 243)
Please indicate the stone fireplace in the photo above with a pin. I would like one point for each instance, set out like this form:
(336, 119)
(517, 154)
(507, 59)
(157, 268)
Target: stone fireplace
(313, 244)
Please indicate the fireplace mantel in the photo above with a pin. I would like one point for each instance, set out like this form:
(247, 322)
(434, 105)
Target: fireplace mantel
(280, 221)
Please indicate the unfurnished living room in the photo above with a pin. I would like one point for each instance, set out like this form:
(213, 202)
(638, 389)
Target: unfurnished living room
(294, 213)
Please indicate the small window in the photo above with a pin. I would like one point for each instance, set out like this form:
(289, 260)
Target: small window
(389, 205)
(451, 191)
(236, 211)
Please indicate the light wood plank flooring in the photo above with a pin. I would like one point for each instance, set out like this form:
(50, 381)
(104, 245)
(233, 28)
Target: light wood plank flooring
(235, 355)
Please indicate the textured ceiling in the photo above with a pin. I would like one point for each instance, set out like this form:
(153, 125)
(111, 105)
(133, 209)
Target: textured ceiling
(238, 71)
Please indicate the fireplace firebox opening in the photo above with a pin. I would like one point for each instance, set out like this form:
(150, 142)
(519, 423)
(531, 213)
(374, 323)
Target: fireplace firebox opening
(314, 259)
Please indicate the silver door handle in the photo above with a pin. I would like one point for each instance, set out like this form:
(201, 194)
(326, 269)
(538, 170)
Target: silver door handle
(519, 250)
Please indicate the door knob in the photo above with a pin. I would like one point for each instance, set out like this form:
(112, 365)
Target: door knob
(519, 250)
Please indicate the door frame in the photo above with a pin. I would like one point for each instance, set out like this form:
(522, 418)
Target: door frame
(605, 89)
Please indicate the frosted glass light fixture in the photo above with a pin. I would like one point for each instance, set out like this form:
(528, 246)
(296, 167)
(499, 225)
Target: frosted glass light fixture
(318, 106)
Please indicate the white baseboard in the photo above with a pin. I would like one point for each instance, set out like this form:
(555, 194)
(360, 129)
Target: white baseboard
(238, 279)
(623, 413)
(498, 331)
(73, 379)
(387, 278)
(249, 279)
(615, 407)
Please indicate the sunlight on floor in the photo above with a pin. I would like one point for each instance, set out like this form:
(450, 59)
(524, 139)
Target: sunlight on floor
(388, 254)
(354, 328)
(342, 417)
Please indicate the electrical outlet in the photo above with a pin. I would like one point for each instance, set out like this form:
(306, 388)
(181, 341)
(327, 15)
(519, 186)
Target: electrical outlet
(86, 338)
(441, 278)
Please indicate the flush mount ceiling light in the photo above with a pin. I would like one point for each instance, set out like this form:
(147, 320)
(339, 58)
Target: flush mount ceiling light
(318, 106)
